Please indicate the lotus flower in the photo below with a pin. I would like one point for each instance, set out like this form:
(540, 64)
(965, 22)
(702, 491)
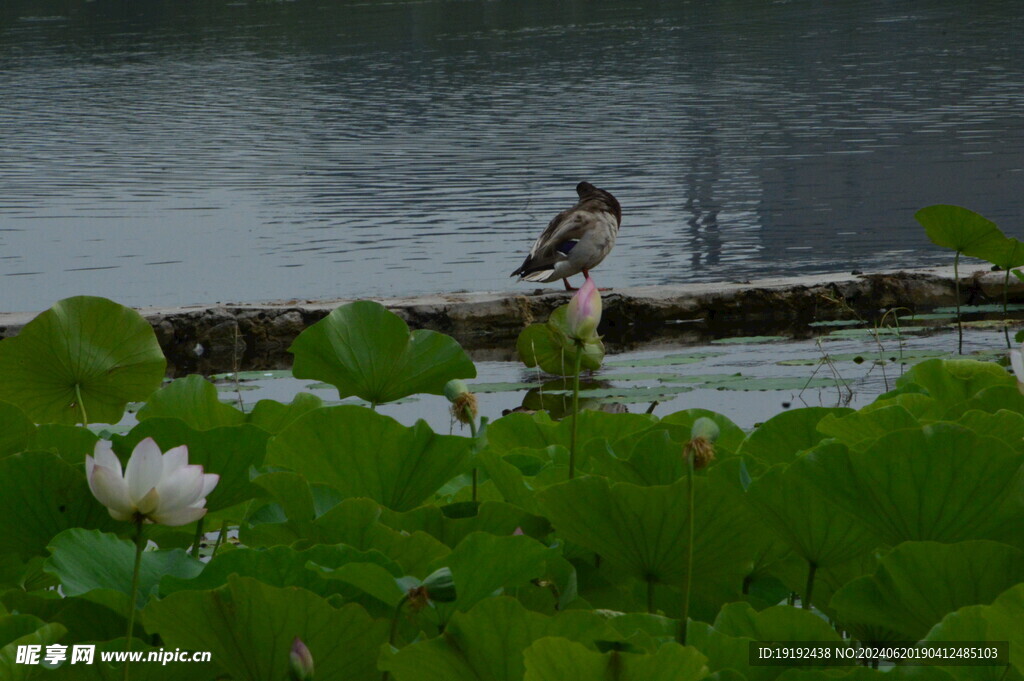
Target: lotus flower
(584, 311)
(157, 487)
(1017, 361)
(302, 660)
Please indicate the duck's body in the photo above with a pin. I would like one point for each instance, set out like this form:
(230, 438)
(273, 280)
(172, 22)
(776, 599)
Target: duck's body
(576, 240)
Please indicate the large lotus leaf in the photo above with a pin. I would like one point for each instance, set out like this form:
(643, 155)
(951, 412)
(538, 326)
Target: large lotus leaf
(373, 579)
(1006, 253)
(24, 630)
(83, 351)
(482, 563)
(918, 583)
(16, 430)
(41, 495)
(83, 619)
(452, 523)
(228, 451)
(941, 482)
(778, 623)
(547, 347)
(195, 401)
(98, 566)
(730, 436)
(793, 572)
(507, 472)
(806, 520)
(559, 659)
(364, 454)
(272, 416)
(1004, 425)
(996, 398)
(277, 566)
(650, 458)
(487, 643)
(960, 229)
(70, 443)
(1000, 621)
(249, 627)
(537, 431)
(860, 428)
(365, 350)
(644, 530)
(782, 437)
(951, 381)
(355, 522)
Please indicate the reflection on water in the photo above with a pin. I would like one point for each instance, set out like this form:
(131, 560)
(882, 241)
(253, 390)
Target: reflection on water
(197, 152)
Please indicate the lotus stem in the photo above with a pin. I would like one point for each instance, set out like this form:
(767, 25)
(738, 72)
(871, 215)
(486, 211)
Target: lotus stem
(688, 580)
(198, 538)
(959, 322)
(81, 404)
(140, 544)
(472, 431)
(806, 602)
(220, 538)
(575, 408)
(1006, 287)
(394, 630)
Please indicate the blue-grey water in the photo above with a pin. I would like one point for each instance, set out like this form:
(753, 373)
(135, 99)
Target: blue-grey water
(163, 153)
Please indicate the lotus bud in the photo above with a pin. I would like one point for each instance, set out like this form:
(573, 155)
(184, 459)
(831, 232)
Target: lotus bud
(301, 661)
(584, 312)
(440, 586)
(701, 446)
(154, 487)
(464, 408)
(518, 532)
(1017, 362)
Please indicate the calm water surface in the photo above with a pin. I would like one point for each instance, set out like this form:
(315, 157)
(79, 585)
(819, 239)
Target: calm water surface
(192, 152)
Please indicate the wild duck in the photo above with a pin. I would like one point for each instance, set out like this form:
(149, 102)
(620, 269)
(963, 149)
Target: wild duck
(576, 240)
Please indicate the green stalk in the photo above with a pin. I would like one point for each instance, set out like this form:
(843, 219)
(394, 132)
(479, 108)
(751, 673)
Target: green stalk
(394, 630)
(140, 544)
(688, 581)
(1006, 288)
(81, 405)
(472, 432)
(220, 538)
(575, 408)
(959, 322)
(811, 569)
(198, 538)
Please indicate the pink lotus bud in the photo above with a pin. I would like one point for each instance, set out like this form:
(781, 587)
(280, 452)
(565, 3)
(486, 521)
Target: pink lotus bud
(518, 532)
(584, 312)
(302, 660)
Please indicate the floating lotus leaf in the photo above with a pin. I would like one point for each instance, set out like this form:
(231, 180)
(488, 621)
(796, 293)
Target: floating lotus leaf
(559, 659)
(940, 482)
(364, 454)
(363, 349)
(782, 437)
(667, 360)
(918, 583)
(249, 626)
(82, 352)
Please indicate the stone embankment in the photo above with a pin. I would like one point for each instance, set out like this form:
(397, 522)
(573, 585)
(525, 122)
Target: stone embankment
(210, 339)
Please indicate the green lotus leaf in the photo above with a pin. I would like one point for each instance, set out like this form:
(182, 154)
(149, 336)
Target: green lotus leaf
(778, 623)
(83, 619)
(538, 431)
(364, 454)
(960, 229)
(807, 521)
(1003, 425)
(1000, 621)
(860, 428)
(452, 523)
(643, 530)
(373, 579)
(363, 349)
(951, 381)
(545, 346)
(730, 436)
(996, 398)
(228, 451)
(918, 583)
(482, 563)
(652, 458)
(782, 437)
(487, 643)
(84, 355)
(17, 430)
(98, 566)
(195, 401)
(24, 630)
(40, 496)
(70, 443)
(273, 416)
(940, 482)
(559, 659)
(249, 626)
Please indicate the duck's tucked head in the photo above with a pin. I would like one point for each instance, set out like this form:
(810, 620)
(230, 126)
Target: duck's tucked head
(587, 192)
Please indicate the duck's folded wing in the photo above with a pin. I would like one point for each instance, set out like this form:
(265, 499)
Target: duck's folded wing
(554, 243)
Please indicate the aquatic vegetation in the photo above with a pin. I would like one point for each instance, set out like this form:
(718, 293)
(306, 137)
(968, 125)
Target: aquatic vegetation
(602, 545)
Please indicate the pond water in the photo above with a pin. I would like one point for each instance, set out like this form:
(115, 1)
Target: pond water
(204, 151)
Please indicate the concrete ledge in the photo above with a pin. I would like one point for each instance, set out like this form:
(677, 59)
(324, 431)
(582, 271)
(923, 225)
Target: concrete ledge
(256, 335)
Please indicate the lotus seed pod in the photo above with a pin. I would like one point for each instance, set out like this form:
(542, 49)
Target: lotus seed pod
(454, 388)
(705, 428)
